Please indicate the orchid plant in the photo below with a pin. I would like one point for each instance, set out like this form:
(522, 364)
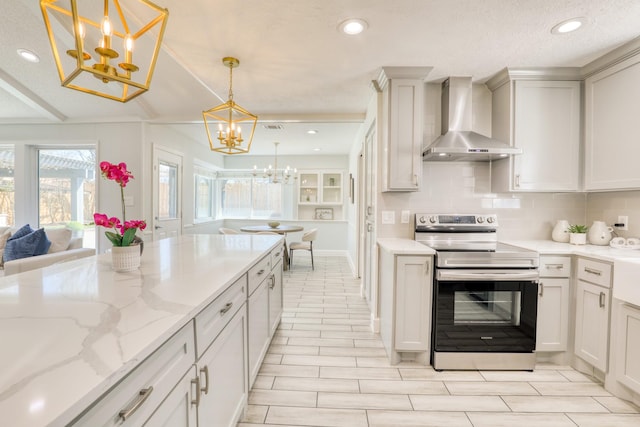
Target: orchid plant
(124, 231)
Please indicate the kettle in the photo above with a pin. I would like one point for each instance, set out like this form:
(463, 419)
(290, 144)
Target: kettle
(560, 232)
(599, 233)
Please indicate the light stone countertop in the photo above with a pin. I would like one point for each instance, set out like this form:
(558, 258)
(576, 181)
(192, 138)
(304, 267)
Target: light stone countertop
(400, 246)
(549, 247)
(71, 331)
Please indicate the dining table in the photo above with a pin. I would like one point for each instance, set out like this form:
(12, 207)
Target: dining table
(280, 229)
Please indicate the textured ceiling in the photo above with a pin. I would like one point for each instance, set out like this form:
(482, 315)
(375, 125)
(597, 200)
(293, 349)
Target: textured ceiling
(297, 69)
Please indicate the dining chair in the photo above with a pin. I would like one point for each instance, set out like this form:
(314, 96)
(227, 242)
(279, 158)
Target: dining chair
(224, 230)
(306, 245)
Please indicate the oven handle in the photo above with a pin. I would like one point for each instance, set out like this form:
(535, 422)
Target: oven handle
(489, 275)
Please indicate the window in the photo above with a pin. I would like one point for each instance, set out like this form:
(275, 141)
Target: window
(249, 197)
(204, 196)
(66, 190)
(168, 191)
(7, 186)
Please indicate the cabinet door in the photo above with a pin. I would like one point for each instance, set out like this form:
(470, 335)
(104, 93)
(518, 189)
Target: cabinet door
(258, 329)
(223, 381)
(628, 355)
(547, 128)
(403, 115)
(179, 409)
(275, 298)
(612, 108)
(413, 303)
(553, 315)
(592, 324)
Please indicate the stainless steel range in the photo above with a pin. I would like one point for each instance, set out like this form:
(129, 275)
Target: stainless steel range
(484, 295)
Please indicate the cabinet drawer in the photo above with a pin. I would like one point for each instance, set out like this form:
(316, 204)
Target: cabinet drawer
(211, 320)
(555, 266)
(259, 272)
(142, 391)
(595, 272)
(276, 255)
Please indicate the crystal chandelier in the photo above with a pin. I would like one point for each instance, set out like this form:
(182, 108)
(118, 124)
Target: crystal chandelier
(285, 176)
(109, 30)
(228, 116)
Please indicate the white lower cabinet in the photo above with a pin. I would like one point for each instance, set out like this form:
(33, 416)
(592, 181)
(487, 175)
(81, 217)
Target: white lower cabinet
(553, 304)
(628, 350)
(222, 375)
(275, 298)
(553, 315)
(180, 407)
(265, 309)
(405, 306)
(258, 307)
(592, 313)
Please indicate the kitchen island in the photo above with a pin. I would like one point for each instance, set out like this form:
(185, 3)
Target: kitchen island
(73, 331)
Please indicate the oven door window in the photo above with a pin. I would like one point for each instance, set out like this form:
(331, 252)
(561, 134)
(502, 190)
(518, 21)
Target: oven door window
(486, 316)
(489, 307)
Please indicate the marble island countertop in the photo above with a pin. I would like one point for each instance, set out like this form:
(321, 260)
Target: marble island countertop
(71, 331)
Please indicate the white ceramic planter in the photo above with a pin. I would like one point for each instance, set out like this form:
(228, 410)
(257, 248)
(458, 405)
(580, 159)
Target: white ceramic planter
(125, 258)
(578, 238)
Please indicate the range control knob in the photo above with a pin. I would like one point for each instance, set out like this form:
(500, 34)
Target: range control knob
(422, 220)
(433, 219)
(480, 220)
(490, 219)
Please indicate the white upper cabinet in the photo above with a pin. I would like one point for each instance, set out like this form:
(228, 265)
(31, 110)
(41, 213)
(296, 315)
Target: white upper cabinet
(542, 117)
(401, 122)
(612, 109)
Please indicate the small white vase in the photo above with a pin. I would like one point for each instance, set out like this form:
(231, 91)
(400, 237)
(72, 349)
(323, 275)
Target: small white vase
(600, 233)
(578, 238)
(560, 232)
(125, 258)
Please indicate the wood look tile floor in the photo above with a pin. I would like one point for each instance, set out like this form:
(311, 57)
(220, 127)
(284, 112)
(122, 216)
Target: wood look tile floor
(325, 368)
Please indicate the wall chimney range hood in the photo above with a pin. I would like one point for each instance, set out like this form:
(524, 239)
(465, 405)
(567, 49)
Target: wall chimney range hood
(458, 142)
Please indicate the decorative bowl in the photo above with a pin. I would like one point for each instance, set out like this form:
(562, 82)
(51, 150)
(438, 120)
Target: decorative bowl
(273, 224)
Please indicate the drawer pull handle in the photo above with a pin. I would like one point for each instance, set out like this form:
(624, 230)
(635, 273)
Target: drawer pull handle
(601, 301)
(592, 271)
(205, 371)
(196, 382)
(541, 288)
(260, 272)
(226, 307)
(142, 396)
(554, 266)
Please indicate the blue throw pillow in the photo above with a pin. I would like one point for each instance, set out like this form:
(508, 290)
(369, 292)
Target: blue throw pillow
(33, 244)
(22, 231)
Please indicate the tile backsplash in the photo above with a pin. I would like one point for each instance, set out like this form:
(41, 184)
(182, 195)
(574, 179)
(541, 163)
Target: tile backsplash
(608, 206)
(464, 187)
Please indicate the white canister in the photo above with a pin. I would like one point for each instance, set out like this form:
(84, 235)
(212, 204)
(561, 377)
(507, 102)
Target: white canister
(600, 233)
(560, 232)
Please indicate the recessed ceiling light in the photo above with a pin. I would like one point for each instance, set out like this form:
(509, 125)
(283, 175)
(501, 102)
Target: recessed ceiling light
(317, 149)
(312, 132)
(568, 26)
(353, 26)
(28, 55)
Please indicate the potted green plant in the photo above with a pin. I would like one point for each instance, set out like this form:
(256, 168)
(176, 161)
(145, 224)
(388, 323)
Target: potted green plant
(577, 234)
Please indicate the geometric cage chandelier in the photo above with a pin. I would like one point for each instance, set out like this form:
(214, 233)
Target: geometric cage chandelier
(224, 121)
(107, 48)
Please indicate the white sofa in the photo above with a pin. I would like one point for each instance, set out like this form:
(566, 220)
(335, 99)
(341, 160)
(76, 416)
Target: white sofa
(74, 250)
